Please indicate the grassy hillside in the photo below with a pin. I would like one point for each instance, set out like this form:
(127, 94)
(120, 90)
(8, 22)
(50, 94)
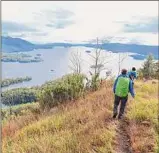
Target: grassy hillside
(143, 116)
(86, 125)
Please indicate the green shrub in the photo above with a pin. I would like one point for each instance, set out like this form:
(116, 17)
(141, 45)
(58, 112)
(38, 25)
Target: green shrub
(69, 87)
(95, 82)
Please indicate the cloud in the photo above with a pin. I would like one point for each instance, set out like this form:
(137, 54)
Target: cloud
(60, 24)
(23, 35)
(147, 25)
(59, 13)
(41, 33)
(133, 38)
(57, 18)
(79, 21)
(8, 27)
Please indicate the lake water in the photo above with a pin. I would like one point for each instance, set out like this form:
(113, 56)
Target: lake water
(58, 59)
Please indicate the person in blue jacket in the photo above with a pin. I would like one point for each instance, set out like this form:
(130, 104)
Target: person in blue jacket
(122, 86)
(132, 74)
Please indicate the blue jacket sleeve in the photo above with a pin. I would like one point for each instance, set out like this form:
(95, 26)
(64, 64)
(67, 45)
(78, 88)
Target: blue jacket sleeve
(135, 75)
(115, 83)
(131, 88)
(128, 74)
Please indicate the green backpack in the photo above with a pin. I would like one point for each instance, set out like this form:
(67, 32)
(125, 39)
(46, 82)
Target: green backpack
(122, 87)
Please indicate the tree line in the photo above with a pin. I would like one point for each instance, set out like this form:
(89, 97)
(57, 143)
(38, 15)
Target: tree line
(8, 82)
(19, 96)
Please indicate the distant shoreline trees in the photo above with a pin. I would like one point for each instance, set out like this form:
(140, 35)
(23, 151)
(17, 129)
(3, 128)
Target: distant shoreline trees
(8, 82)
(19, 96)
(20, 57)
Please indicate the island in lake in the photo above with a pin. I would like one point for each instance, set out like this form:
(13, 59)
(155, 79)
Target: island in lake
(20, 57)
(7, 82)
(138, 57)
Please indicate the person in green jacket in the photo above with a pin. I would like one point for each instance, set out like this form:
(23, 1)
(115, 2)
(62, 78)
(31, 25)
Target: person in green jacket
(122, 86)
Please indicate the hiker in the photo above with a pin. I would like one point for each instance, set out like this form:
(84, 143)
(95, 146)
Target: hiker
(122, 86)
(132, 74)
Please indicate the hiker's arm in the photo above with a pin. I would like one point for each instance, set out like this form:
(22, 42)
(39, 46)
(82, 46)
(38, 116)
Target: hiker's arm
(131, 89)
(136, 75)
(114, 87)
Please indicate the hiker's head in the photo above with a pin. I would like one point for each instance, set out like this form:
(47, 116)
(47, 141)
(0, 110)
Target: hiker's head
(123, 71)
(133, 69)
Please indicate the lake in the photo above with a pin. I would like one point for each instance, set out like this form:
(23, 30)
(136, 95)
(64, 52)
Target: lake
(58, 60)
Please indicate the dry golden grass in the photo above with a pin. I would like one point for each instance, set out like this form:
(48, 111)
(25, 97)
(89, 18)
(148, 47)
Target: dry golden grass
(12, 126)
(86, 125)
(142, 138)
(83, 126)
(143, 112)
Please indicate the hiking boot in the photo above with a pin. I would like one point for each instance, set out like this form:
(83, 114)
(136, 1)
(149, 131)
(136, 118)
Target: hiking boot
(114, 116)
(119, 117)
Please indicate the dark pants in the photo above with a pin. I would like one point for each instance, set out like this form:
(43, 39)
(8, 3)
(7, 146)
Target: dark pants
(122, 106)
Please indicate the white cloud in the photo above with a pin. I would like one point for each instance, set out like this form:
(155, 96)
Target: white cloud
(91, 19)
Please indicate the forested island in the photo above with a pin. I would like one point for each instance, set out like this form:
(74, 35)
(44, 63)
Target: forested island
(19, 96)
(10, 81)
(138, 57)
(20, 57)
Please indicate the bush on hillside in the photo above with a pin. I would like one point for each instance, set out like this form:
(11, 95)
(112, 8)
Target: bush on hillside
(95, 82)
(69, 87)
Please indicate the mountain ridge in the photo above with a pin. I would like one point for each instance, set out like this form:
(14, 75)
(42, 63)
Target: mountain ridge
(10, 44)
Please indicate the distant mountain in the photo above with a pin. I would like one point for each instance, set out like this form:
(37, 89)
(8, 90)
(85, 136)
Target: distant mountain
(134, 48)
(10, 44)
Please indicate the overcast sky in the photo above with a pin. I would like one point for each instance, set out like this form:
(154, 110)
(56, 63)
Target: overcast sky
(80, 21)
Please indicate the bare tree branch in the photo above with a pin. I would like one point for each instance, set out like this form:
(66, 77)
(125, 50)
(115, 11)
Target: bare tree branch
(121, 59)
(100, 59)
(76, 62)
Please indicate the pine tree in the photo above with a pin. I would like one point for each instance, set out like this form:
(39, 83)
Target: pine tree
(148, 69)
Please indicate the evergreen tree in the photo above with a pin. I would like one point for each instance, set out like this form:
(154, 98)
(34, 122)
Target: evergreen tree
(148, 69)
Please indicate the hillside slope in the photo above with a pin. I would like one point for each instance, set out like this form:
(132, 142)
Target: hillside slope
(86, 126)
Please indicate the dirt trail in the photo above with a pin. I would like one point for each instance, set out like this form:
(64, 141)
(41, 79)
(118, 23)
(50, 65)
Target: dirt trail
(123, 141)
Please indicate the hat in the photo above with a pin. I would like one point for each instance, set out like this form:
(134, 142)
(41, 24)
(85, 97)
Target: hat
(123, 71)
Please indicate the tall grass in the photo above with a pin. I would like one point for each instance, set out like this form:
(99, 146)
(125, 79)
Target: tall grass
(143, 116)
(19, 110)
(79, 127)
(144, 109)
(85, 125)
